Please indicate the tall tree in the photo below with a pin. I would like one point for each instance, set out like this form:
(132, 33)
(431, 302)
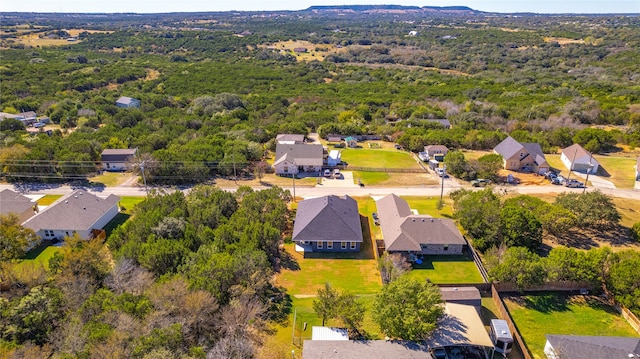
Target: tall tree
(326, 303)
(479, 214)
(14, 238)
(520, 228)
(408, 309)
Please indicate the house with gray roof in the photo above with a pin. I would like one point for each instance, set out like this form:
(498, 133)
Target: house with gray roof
(116, 159)
(127, 102)
(16, 203)
(327, 224)
(367, 349)
(406, 232)
(576, 158)
(462, 295)
(436, 152)
(299, 157)
(443, 122)
(577, 346)
(525, 157)
(289, 139)
(78, 212)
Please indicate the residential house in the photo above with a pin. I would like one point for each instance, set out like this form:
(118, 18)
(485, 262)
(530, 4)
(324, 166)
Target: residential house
(128, 102)
(443, 122)
(638, 169)
(526, 157)
(576, 158)
(296, 158)
(78, 212)
(289, 139)
(406, 232)
(327, 224)
(436, 152)
(462, 295)
(351, 142)
(369, 349)
(16, 203)
(335, 157)
(577, 346)
(116, 159)
(334, 138)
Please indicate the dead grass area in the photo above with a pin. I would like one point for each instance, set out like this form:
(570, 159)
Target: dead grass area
(311, 54)
(563, 40)
(152, 74)
(76, 32)
(525, 179)
(616, 238)
(406, 67)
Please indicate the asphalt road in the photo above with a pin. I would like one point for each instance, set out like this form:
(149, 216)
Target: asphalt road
(300, 191)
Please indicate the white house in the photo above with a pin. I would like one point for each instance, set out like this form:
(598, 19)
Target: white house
(576, 158)
(78, 212)
(296, 158)
(289, 139)
(127, 102)
(115, 159)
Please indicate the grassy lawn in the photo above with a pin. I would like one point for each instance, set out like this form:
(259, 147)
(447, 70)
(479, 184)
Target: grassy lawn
(40, 254)
(111, 179)
(378, 158)
(128, 202)
(429, 205)
(537, 315)
(394, 179)
(48, 199)
(620, 169)
(446, 269)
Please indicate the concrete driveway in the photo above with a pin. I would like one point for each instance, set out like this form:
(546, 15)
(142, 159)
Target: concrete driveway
(596, 181)
(345, 181)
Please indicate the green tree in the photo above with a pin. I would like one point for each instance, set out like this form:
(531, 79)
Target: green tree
(592, 209)
(457, 165)
(520, 228)
(350, 311)
(408, 309)
(34, 316)
(624, 278)
(489, 165)
(517, 265)
(15, 240)
(326, 303)
(479, 214)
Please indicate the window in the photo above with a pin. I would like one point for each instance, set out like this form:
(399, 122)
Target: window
(353, 245)
(329, 245)
(286, 169)
(343, 245)
(320, 245)
(48, 233)
(446, 247)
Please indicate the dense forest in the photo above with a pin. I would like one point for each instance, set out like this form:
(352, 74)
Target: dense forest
(216, 88)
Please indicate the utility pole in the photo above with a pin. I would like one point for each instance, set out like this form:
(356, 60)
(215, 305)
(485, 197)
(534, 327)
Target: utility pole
(444, 173)
(144, 178)
(588, 172)
(235, 177)
(572, 161)
(293, 177)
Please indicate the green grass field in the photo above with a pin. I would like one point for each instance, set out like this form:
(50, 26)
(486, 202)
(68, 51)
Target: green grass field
(39, 255)
(446, 269)
(429, 205)
(48, 199)
(128, 202)
(537, 315)
(378, 158)
(111, 179)
(619, 169)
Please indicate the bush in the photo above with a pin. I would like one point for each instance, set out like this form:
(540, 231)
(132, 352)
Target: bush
(635, 232)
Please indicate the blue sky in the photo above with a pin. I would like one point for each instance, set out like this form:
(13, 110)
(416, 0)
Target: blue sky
(149, 6)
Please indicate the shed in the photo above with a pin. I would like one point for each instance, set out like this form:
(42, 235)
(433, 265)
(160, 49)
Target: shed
(462, 295)
(329, 333)
(127, 102)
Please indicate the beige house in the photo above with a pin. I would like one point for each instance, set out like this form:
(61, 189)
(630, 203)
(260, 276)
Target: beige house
(298, 157)
(406, 232)
(522, 157)
(576, 158)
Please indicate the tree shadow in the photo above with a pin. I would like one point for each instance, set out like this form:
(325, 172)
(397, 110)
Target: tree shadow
(287, 261)
(546, 303)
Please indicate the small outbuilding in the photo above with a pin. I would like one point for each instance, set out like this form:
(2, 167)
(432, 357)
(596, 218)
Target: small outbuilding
(116, 159)
(462, 295)
(127, 102)
(576, 158)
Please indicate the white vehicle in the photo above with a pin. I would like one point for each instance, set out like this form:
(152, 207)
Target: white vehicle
(327, 173)
(440, 172)
(336, 173)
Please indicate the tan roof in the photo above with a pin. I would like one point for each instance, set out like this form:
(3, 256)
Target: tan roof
(575, 151)
(403, 231)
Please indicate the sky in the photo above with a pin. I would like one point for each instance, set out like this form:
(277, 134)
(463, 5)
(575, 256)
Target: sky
(155, 6)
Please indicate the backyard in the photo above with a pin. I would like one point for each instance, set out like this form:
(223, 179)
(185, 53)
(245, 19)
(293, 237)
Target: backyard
(446, 269)
(555, 313)
(379, 158)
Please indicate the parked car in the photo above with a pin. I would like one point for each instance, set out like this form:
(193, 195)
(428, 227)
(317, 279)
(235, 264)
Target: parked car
(336, 173)
(39, 124)
(440, 172)
(376, 220)
(574, 184)
(481, 182)
(556, 180)
(327, 173)
(550, 175)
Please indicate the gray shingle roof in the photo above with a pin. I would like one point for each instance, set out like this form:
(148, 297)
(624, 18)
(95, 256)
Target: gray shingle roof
(288, 137)
(369, 349)
(575, 151)
(12, 202)
(508, 147)
(535, 151)
(459, 293)
(301, 154)
(118, 154)
(328, 218)
(76, 211)
(441, 148)
(126, 100)
(576, 346)
(403, 231)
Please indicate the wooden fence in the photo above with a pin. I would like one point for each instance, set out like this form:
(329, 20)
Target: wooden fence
(631, 318)
(559, 286)
(390, 170)
(504, 313)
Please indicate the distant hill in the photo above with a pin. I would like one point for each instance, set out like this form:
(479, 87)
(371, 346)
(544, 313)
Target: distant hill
(363, 8)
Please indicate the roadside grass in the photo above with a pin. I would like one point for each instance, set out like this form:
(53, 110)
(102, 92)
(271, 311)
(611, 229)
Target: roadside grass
(268, 180)
(446, 269)
(429, 205)
(378, 158)
(620, 169)
(111, 179)
(127, 203)
(48, 199)
(554, 313)
(392, 179)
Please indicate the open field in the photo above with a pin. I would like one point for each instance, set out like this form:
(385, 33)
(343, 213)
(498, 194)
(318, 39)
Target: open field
(537, 315)
(128, 202)
(446, 269)
(378, 158)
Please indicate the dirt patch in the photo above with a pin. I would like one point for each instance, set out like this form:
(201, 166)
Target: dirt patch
(525, 179)
(303, 50)
(616, 238)
(563, 40)
(152, 74)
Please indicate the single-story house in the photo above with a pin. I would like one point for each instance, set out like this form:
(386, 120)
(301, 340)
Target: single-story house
(576, 158)
(27, 118)
(289, 139)
(335, 157)
(327, 224)
(436, 152)
(328, 333)
(527, 157)
(116, 159)
(16, 203)
(334, 138)
(127, 102)
(577, 346)
(406, 232)
(364, 349)
(300, 50)
(296, 158)
(78, 212)
(462, 295)
(638, 169)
